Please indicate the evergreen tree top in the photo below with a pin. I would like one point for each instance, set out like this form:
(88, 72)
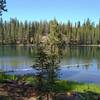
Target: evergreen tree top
(2, 6)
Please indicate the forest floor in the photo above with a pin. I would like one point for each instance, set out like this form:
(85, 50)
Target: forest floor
(24, 91)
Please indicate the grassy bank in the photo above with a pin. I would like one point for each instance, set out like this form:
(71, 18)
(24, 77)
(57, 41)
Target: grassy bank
(60, 86)
(83, 90)
(77, 87)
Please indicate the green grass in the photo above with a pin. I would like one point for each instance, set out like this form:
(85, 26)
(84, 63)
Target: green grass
(9, 77)
(77, 87)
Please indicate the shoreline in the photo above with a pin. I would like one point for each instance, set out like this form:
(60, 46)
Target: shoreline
(86, 45)
(65, 45)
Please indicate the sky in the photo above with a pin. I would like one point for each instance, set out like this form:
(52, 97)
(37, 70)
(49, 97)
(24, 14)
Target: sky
(62, 10)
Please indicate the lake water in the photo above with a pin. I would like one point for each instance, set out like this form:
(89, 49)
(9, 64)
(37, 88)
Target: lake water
(80, 64)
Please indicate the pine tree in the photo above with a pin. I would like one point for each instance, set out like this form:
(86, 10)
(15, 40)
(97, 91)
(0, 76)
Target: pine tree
(2, 6)
(47, 64)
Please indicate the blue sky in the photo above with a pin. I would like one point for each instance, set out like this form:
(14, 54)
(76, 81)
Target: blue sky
(62, 10)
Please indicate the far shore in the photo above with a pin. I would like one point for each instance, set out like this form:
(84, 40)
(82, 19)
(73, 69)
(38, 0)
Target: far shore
(84, 45)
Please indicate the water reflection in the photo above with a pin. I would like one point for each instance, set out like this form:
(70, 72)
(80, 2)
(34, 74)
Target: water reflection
(22, 57)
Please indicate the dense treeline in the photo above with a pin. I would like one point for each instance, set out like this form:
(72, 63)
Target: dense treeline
(17, 32)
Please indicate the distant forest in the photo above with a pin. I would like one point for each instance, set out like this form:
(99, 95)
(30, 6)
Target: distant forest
(18, 32)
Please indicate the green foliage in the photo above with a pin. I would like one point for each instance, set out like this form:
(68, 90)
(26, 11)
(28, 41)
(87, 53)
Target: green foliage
(2, 6)
(47, 64)
(53, 35)
(4, 77)
(65, 86)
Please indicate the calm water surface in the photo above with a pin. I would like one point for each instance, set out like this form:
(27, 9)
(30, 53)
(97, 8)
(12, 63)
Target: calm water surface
(86, 61)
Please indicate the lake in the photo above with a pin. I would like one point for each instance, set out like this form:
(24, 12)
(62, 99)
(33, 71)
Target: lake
(80, 64)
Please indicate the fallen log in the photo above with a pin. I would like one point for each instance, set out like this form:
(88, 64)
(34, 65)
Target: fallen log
(77, 65)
